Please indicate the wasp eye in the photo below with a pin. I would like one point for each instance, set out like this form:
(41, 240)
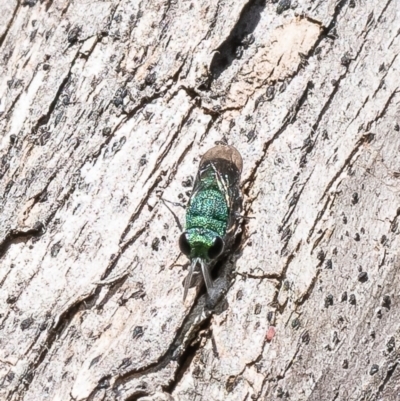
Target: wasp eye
(184, 245)
(216, 248)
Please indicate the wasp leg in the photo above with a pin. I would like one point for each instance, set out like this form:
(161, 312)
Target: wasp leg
(178, 223)
(173, 203)
(241, 217)
(189, 277)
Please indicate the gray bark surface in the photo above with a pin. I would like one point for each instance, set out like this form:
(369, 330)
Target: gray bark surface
(106, 108)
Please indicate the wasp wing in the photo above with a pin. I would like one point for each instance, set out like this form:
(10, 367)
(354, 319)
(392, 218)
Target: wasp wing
(227, 164)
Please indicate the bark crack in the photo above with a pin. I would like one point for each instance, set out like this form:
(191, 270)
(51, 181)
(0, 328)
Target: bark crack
(3, 37)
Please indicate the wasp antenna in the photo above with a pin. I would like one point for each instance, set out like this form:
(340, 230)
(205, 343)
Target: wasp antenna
(206, 275)
(189, 277)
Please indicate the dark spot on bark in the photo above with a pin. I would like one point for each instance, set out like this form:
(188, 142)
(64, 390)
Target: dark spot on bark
(295, 323)
(305, 337)
(307, 145)
(104, 382)
(374, 369)
(344, 297)
(251, 135)
(73, 35)
(354, 198)
(11, 299)
(46, 67)
(357, 237)
(293, 200)
(155, 244)
(280, 393)
(55, 249)
(187, 182)
(25, 324)
(390, 345)
(10, 376)
(58, 117)
(8, 186)
(328, 301)
(137, 332)
(125, 362)
(397, 127)
(248, 40)
(270, 93)
(257, 309)
(386, 301)
(197, 371)
(44, 138)
(328, 264)
(230, 384)
(143, 160)
(352, 299)
(94, 361)
(32, 35)
(346, 60)
(321, 255)
(369, 138)
(118, 101)
(28, 377)
(362, 277)
(283, 5)
(119, 96)
(379, 313)
(239, 52)
(117, 145)
(345, 364)
(286, 234)
(29, 3)
(106, 131)
(150, 79)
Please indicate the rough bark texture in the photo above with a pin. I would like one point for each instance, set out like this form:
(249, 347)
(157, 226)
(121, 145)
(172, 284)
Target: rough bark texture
(106, 108)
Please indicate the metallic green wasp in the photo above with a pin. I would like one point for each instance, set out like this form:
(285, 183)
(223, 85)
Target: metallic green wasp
(212, 212)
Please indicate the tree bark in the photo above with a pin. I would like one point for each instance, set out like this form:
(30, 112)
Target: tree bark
(106, 108)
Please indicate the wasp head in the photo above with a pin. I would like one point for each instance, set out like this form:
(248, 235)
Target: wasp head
(200, 246)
